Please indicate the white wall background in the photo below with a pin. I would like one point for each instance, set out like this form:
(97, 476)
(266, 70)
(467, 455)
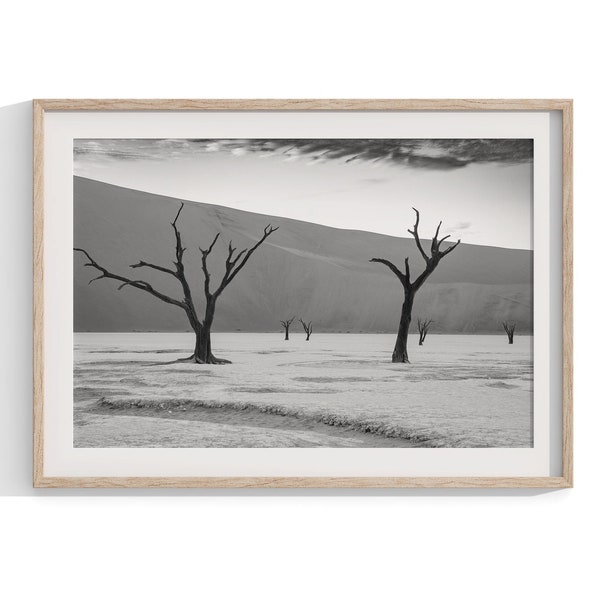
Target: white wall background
(292, 544)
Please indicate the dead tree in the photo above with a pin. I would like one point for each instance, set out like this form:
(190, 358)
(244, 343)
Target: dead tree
(510, 330)
(423, 327)
(234, 263)
(307, 328)
(286, 325)
(400, 353)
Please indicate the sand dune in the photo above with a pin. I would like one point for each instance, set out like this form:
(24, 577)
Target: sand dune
(308, 270)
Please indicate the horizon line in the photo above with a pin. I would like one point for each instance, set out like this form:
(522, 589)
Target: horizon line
(287, 218)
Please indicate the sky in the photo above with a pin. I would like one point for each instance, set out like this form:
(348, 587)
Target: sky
(480, 189)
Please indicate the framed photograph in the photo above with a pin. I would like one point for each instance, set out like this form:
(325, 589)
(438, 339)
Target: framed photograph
(303, 293)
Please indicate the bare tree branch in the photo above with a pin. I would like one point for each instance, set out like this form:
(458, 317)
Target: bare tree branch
(392, 267)
(415, 234)
(435, 245)
(209, 250)
(140, 285)
(205, 270)
(448, 250)
(232, 260)
(432, 261)
(235, 259)
(177, 215)
(137, 283)
(95, 279)
(179, 249)
(232, 268)
(143, 263)
(180, 270)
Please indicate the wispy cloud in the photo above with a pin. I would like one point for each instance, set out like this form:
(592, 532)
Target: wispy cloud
(374, 180)
(434, 154)
(461, 226)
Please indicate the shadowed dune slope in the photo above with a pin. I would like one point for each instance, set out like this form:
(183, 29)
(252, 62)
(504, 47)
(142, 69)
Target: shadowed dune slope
(315, 272)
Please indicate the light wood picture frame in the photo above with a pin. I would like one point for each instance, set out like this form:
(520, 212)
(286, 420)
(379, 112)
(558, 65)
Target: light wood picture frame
(46, 146)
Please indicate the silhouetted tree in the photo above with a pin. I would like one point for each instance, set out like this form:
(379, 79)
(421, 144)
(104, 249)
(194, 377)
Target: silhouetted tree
(423, 327)
(307, 328)
(400, 353)
(510, 330)
(286, 325)
(234, 263)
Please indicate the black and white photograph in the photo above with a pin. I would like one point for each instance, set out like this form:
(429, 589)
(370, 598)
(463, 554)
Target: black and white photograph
(278, 293)
(289, 307)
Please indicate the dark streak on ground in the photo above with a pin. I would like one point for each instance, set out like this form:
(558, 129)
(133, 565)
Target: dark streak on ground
(252, 417)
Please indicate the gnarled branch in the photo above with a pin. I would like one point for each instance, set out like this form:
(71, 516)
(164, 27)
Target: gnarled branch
(143, 263)
(179, 249)
(401, 276)
(449, 249)
(205, 270)
(136, 283)
(415, 234)
(233, 267)
(431, 261)
(435, 245)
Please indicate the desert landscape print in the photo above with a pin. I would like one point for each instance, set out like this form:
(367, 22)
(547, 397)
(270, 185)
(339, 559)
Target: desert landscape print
(297, 293)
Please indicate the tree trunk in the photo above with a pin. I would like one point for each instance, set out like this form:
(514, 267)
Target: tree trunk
(400, 354)
(287, 333)
(510, 338)
(203, 350)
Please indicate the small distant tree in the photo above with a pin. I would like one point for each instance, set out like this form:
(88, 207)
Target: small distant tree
(423, 326)
(509, 327)
(307, 328)
(432, 260)
(286, 325)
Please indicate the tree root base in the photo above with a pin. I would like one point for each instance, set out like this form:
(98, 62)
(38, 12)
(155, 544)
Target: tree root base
(212, 360)
(400, 360)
